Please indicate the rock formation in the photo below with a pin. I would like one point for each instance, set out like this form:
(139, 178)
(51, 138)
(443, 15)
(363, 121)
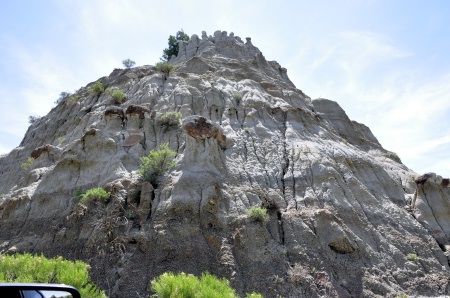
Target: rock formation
(344, 217)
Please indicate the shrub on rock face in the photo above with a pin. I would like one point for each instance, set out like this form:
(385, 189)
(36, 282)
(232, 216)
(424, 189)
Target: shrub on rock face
(38, 269)
(393, 156)
(170, 118)
(157, 162)
(94, 194)
(237, 98)
(117, 95)
(412, 257)
(63, 96)
(28, 163)
(32, 119)
(258, 214)
(182, 285)
(97, 88)
(165, 68)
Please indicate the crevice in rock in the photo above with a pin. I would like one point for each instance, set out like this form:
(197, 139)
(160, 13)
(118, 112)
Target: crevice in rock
(280, 227)
(285, 157)
(293, 177)
(26, 217)
(432, 209)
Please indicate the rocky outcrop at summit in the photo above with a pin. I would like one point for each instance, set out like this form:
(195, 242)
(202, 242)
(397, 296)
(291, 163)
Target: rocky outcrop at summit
(344, 216)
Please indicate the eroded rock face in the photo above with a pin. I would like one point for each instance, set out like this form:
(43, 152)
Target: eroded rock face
(430, 206)
(338, 205)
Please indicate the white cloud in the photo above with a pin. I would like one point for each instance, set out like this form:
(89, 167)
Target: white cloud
(382, 86)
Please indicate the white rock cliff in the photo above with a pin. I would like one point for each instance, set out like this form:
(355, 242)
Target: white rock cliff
(344, 212)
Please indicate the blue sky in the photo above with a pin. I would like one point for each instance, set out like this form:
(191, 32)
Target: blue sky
(387, 63)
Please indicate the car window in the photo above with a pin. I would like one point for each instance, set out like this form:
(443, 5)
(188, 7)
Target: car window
(32, 294)
(44, 294)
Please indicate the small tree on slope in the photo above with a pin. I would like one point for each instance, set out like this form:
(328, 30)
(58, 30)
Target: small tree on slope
(174, 45)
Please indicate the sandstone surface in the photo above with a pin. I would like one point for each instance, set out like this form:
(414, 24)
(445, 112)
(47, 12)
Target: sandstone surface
(344, 216)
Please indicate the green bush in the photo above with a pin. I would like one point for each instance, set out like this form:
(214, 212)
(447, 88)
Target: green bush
(182, 285)
(237, 98)
(62, 96)
(170, 118)
(128, 63)
(117, 95)
(72, 99)
(258, 214)
(157, 162)
(97, 88)
(38, 269)
(174, 45)
(28, 164)
(393, 156)
(412, 257)
(165, 68)
(32, 119)
(94, 194)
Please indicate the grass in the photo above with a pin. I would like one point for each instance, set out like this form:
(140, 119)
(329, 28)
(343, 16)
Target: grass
(412, 257)
(165, 68)
(237, 98)
(97, 88)
(258, 214)
(93, 194)
(170, 119)
(38, 269)
(156, 163)
(117, 95)
(73, 99)
(393, 156)
(28, 164)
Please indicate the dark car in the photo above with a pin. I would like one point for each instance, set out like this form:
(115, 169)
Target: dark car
(33, 290)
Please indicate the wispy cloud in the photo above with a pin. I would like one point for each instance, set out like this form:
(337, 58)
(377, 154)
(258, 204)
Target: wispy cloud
(381, 85)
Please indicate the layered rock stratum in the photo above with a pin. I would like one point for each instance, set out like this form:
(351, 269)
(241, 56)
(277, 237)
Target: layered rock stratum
(346, 217)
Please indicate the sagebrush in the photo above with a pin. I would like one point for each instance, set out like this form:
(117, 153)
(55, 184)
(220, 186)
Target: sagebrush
(393, 156)
(117, 95)
(97, 88)
(412, 257)
(165, 68)
(258, 214)
(170, 118)
(157, 162)
(94, 194)
(62, 96)
(237, 98)
(28, 164)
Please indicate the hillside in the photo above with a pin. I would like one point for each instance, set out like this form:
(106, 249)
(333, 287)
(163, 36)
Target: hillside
(346, 217)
